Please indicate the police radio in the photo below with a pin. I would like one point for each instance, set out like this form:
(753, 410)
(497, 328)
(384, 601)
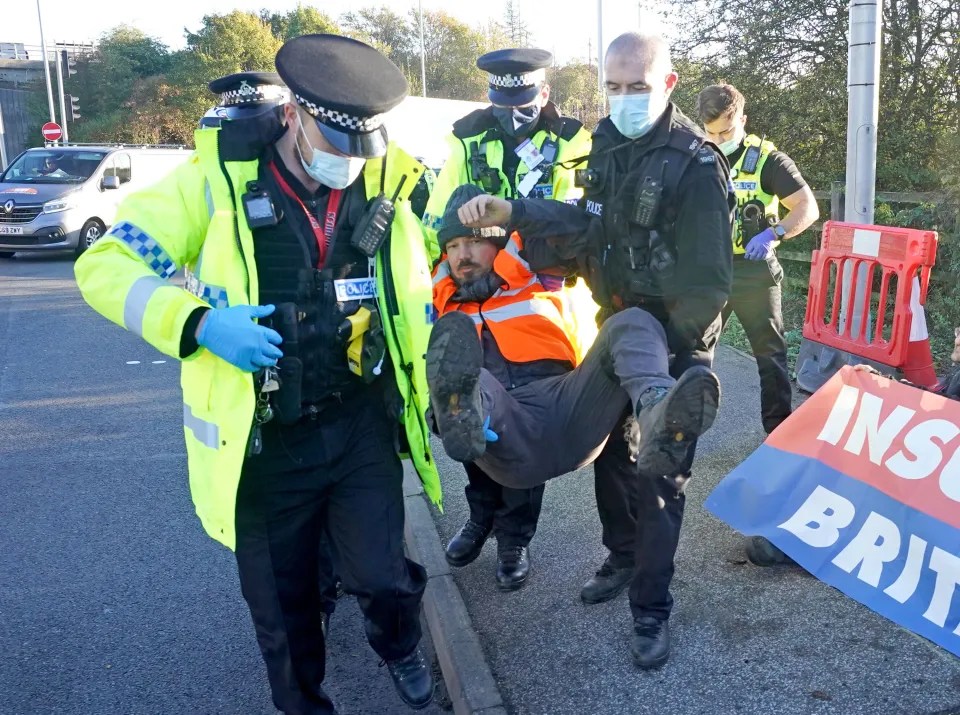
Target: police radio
(372, 228)
(647, 204)
(752, 157)
(482, 173)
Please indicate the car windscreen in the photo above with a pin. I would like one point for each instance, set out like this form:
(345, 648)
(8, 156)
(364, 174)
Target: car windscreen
(53, 166)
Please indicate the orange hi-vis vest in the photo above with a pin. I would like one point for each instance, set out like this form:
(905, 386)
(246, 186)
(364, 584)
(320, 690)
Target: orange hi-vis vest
(526, 320)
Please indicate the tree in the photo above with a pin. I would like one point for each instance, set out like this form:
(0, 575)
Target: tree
(104, 79)
(573, 87)
(452, 49)
(514, 26)
(299, 21)
(395, 36)
(236, 42)
(802, 103)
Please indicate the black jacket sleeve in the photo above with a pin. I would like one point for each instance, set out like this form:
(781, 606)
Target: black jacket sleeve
(188, 338)
(554, 233)
(704, 246)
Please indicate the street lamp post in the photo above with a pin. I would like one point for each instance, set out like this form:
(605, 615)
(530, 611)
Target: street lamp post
(46, 65)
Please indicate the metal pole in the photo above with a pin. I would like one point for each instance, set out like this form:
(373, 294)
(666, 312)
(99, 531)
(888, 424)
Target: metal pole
(63, 104)
(46, 65)
(863, 105)
(3, 143)
(599, 46)
(423, 55)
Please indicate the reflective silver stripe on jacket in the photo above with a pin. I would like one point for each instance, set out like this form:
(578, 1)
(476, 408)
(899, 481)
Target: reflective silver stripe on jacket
(135, 304)
(206, 432)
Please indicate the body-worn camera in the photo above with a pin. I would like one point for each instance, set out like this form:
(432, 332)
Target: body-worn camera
(482, 173)
(258, 206)
(587, 178)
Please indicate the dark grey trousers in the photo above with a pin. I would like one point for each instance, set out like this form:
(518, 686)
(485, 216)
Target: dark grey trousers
(556, 425)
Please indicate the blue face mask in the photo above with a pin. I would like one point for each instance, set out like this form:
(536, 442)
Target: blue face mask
(336, 172)
(728, 147)
(635, 114)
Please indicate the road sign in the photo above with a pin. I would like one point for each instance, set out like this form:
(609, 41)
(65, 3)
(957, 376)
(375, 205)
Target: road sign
(51, 131)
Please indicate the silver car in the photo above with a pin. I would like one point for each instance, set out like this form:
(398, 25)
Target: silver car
(65, 197)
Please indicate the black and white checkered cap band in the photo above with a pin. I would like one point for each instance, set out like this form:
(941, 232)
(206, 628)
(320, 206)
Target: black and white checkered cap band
(513, 81)
(250, 94)
(342, 119)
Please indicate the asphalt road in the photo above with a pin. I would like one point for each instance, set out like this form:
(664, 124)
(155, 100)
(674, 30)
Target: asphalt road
(112, 599)
(746, 640)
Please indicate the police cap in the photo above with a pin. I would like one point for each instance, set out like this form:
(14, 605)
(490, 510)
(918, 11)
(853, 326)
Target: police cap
(515, 75)
(245, 95)
(347, 86)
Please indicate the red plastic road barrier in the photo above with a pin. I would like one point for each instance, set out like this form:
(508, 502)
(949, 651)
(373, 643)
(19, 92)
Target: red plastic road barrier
(890, 255)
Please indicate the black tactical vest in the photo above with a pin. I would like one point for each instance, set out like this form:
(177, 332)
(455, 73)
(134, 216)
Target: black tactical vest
(634, 191)
(308, 313)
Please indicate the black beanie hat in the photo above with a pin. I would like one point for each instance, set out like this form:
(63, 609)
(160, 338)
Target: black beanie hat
(451, 227)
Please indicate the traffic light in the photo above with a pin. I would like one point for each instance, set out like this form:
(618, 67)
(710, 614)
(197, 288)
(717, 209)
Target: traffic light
(69, 63)
(74, 108)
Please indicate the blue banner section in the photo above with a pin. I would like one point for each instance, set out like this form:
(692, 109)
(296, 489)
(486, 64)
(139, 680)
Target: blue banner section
(894, 559)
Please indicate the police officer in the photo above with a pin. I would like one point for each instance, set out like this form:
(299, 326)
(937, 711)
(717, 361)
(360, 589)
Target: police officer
(763, 179)
(513, 148)
(257, 98)
(244, 96)
(652, 231)
(288, 439)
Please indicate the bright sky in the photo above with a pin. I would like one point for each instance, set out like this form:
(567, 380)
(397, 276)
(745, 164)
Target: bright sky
(562, 26)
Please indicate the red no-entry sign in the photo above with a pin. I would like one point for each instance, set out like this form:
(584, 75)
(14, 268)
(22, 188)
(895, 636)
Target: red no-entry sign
(51, 131)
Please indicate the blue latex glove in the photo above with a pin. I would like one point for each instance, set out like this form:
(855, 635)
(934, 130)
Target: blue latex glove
(231, 334)
(488, 433)
(760, 246)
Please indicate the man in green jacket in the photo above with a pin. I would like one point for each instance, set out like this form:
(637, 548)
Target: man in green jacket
(291, 429)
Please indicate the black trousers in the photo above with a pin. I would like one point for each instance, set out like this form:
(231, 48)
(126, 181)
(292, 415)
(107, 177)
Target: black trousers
(336, 477)
(641, 515)
(756, 301)
(511, 513)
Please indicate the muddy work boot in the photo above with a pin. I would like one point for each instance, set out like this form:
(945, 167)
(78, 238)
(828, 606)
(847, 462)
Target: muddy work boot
(454, 360)
(669, 420)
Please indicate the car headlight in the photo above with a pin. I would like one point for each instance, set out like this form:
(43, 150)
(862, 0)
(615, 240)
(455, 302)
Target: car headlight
(64, 203)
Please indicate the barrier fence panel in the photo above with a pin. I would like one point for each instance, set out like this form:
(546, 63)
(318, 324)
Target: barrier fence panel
(892, 258)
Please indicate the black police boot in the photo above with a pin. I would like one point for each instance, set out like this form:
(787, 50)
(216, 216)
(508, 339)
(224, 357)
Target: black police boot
(607, 583)
(454, 358)
(513, 567)
(761, 552)
(465, 547)
(413, 679)
(668, 421)
(651, 642)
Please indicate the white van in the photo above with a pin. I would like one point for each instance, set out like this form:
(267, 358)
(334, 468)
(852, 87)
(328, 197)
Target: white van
(65, 197)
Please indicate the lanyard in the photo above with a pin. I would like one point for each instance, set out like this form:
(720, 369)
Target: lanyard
(323, 234)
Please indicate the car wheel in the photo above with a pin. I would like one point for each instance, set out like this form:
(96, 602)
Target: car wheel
(7, 254)
(90, 233)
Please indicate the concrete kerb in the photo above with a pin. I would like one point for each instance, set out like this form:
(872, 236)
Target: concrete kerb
(466, 673)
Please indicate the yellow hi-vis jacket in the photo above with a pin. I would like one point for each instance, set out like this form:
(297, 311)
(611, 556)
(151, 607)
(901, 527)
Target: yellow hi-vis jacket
(194, 219)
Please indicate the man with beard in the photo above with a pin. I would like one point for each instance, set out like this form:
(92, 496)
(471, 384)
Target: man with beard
(508, 389)
(512, 149)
